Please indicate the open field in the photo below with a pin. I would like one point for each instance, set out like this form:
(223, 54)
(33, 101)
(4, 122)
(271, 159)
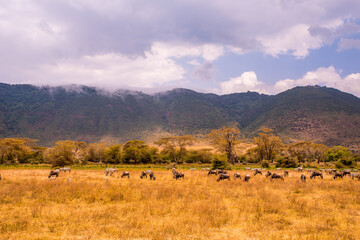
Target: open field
(92, 206)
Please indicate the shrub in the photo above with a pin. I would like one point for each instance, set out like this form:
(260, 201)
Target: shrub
(265, 164)
(219, 161)
(286, 162)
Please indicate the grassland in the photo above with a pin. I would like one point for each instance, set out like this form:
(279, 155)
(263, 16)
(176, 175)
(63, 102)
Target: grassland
(92, 206)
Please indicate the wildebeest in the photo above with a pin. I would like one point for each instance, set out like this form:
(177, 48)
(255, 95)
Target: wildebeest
(152, 176)
(257, 171)
(125, 174)
(355, 175)
(237, 175)
(110, 170)
(143, 174)
(316, 174)
(303, 178)
(212, 172)
(300, 169)
(346, 172)
(53, 173)
(178, 175)
(247, 177)
(64, 169)
(268, 174)
(276, 176)
(286, 173)
(223, 176)
(338, 175)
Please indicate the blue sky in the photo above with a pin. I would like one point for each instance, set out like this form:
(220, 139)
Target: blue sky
(227, 46)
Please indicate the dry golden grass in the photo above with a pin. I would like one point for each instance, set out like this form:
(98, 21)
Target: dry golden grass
(91, 206)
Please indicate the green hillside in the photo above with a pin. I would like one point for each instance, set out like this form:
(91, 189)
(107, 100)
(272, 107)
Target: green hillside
(83, 113)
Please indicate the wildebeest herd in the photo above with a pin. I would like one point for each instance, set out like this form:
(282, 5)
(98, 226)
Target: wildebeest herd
(222, 174)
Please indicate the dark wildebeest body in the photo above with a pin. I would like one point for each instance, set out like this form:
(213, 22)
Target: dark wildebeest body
(143, 174)
(257, 171)
(219, 171)
(286, 173)
(125, 174)
(338, 175)
(247, 177)
(223, 176)
(268, 174)
(303, 178)
(237, 175)
(212, 172)
(276, 176)
(54, 173)
(316, 174)
(346, 172)
(152, 176)
(178, 175)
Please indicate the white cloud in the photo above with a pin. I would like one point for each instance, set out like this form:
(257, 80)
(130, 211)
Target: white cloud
(111, 71)
(297, 40)
(246, 82)
(328, 77)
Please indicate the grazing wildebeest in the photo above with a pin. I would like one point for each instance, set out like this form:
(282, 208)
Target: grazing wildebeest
(303, 178)
(300, 169)
(257, 171)
(237, 175)
(219, 171)
(143, 174)
(152, 176)
(247, 177)
(338, 175)
(178, 175)
(346, 172)
(268, 174)
(276, 176)
(125, 174)
(54, 173)
(110, 170)
(64, 169)
(212, 172)
(286, 173)
(355, 175)
(316, 174)
(223, 176)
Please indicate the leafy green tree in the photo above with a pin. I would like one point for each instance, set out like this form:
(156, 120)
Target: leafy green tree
(113, 154)
(175, 146)
(136, 151)
(225, 140)
(17, 150)
(342, 156)
(219, 162)
(268, 145)
(65, 153)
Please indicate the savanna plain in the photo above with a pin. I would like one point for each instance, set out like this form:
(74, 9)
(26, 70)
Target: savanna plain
(92, 206)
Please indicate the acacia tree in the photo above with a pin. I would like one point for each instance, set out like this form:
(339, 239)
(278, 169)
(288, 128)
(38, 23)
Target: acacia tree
(225, 140)
(17, 150)
(95, 152)
(65, 153)
(176, 145)
(268, 145)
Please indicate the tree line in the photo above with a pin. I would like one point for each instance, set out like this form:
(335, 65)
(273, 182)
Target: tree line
(225, 142)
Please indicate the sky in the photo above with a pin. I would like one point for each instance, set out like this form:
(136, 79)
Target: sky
(221, 47)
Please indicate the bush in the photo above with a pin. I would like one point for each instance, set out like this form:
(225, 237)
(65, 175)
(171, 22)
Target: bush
(286, 162)
(219, 162)
(265, 164)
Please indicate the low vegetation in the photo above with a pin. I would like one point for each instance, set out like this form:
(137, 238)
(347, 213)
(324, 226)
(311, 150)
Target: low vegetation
(87, 205)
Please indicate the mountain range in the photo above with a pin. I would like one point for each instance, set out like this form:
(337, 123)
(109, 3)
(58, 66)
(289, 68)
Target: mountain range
(314, 113)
